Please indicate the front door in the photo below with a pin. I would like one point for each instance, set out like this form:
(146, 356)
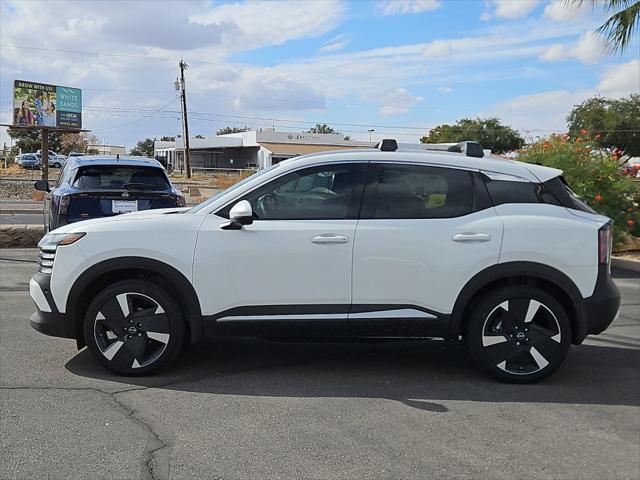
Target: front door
(294, 261)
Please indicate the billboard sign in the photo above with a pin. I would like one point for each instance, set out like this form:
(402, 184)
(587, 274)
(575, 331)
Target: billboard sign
(41, 104)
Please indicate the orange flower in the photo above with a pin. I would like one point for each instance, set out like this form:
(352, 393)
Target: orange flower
(583, 132)
(598, 198)
(631, 222)
(578, 140)
(629, 209)
(598, 136)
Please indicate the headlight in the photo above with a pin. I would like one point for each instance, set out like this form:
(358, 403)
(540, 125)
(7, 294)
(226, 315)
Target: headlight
(52, 240)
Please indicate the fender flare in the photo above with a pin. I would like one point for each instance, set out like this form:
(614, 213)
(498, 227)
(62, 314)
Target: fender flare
(181, 286)
(521, 269)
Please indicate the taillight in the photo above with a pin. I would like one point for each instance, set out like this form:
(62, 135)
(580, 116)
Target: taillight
(605, 243)
(180, 202)
(64, 204)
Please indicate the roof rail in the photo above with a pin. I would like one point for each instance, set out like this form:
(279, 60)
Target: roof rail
(468, 148)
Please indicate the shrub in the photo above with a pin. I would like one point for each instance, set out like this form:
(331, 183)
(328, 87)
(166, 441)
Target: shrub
(595, 176)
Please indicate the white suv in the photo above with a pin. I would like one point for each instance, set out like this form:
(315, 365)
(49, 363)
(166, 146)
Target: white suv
(359, 243)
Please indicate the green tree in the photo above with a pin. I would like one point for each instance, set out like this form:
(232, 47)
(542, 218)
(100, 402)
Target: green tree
(595, 176)
(619, 28)
(76, 142)
(28, 140)
(611, 123)
(167, 138)
(199, 136)
(489, 132)
(143, 148)
(227, 130)
(322, 128)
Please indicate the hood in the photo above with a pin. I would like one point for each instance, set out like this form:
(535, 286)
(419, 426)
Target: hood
(137, 216)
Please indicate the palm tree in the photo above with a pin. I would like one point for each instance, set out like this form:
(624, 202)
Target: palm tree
(620, 26)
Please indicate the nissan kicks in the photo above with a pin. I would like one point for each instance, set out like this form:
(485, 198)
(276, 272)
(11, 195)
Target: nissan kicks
(346, 244)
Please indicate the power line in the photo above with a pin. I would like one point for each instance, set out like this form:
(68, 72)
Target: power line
(137, 120)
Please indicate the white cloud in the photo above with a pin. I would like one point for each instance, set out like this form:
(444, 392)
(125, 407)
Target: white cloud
(513, 9)
(620, 80)
(547, 111)
(444, 89)
(485, 16)
(261, 23)
(438, 48)
(398, 101)
(588, 49)
(560, 11)
(336, 43)
(403, 7)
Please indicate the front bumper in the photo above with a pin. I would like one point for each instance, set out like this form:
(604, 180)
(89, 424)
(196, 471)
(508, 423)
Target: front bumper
(601, 308)
(47, 319)
(50, 323)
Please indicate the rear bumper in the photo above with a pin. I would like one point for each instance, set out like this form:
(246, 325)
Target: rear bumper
(601, 308)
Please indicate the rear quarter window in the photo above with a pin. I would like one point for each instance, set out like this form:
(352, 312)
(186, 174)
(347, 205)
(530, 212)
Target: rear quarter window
(505, 191)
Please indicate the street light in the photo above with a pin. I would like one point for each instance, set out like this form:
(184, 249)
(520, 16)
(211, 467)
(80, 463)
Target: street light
(371, 130)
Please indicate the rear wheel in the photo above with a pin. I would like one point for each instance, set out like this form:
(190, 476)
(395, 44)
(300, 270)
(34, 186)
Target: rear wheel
(134, 327)
(519, 334)
(56, 165)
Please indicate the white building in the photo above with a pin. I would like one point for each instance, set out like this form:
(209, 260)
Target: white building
(252, 149)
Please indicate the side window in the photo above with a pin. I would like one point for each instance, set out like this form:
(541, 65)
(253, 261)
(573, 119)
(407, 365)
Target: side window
(502, 192)
(413, 191)
(317, 193)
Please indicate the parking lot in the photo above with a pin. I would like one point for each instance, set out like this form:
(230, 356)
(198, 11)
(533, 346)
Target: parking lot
(257, 409)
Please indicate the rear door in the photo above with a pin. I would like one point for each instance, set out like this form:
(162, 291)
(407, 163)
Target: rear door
(424, 232)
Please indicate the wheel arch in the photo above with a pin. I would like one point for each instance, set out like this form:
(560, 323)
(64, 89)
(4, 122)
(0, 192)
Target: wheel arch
(521, 273)
(107, 272)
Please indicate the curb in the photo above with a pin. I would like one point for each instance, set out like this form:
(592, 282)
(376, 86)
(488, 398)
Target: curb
(625, 264)
(20, 211)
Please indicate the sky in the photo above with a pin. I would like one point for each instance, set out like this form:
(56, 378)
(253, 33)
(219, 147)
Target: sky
(398, 67)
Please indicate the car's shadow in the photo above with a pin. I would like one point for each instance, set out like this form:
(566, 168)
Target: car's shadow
(417, 373)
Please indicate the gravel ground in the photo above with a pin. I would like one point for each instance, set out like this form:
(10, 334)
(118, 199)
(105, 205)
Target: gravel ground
(21, 190)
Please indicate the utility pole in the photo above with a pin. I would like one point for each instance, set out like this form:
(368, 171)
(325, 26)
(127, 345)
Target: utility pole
(44, 153)
(183, 95)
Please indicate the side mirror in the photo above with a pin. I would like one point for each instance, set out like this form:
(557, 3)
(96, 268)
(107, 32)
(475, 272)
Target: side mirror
(240, 214)
(43, 186)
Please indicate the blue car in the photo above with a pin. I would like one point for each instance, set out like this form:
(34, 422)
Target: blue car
(99, 186)
(29, 160)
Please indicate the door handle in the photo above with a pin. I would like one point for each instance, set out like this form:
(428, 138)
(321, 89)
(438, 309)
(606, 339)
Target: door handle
(330, 238)
(471, 237)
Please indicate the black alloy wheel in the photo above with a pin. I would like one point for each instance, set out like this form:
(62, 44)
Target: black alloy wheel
(134, 327)
(519, 334)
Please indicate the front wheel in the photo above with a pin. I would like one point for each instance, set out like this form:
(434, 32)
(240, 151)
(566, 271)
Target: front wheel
(56, 165)
(134, 327)
(519, 334)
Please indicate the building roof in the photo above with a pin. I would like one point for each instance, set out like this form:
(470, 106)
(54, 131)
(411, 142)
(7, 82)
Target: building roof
(293, 149)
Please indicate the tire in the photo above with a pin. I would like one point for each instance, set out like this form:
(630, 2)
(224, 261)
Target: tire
(519, 334)
(56, 165)
(134, 327)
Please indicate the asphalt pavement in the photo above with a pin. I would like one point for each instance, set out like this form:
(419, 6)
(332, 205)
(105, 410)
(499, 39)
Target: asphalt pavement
(251, 408)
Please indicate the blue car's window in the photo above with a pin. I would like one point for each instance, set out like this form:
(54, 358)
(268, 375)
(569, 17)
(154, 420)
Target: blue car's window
(107, 177)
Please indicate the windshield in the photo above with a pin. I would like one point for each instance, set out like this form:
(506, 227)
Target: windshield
(206, 203)
(109, 177)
